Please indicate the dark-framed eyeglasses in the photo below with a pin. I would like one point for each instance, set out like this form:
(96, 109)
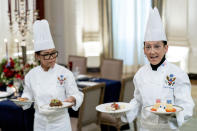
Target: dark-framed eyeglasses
(155, 47)
(50, 55)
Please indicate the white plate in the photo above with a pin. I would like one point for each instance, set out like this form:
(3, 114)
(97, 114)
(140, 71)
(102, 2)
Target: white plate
(102, 108)
(86, 83)
(82, 76)
(65, 105)
(7, 93)
(21, 103)
(3, 99)
(4, 94)
(178, 109)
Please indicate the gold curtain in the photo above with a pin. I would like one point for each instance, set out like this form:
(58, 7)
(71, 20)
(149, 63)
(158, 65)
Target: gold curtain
(106, 27)
(159, 5)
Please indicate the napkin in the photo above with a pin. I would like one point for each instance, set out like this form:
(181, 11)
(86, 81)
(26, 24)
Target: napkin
(81, 76)
(86, 83)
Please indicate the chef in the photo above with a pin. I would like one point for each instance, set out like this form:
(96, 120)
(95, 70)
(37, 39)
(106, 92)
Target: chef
(159, 80)
(49, 81)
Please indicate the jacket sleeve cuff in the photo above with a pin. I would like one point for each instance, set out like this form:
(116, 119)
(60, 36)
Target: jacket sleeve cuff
(124, 118)
(130, 116)
(180, 118)
(25, 107)
(79, 100)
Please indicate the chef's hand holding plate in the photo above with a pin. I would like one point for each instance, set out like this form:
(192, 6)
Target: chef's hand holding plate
(25, 103)
(70, 99)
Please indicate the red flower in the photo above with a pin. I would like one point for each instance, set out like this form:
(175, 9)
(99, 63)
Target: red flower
(27, 65)
(1, 84)
(10, 85)
(9, 73)
(18, 76)
(5, 70)
(12, 63)
(11, 70)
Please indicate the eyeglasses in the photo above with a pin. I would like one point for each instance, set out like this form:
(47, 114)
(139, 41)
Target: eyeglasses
(155, 47)
(50, 55)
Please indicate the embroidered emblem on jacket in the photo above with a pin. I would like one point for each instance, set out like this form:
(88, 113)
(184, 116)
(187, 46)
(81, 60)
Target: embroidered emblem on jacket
(61, 79)
(170, 80)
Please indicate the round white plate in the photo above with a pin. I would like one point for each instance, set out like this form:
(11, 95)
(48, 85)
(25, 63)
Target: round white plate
(21, 103)
(4, 94)
(7, 93)
(82, 76)
(178, 109)
(103, 107)
(65, 105)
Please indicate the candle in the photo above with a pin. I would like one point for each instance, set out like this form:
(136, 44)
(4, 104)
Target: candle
(9, 11)
(6, 47)
(9, 6)
(16, 5)
(17, 42)
(10, 18)
(24, 54)
(27, 8)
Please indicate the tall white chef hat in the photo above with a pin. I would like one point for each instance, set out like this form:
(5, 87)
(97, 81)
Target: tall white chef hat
(42, 36)
(154, 27)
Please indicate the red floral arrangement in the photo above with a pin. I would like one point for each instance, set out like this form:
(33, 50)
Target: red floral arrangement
(12, 69)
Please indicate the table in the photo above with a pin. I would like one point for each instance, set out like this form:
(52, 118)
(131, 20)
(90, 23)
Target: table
(14, 118)
(112, 89)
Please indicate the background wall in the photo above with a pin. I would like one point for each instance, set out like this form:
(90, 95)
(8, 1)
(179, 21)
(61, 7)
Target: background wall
(66, 21)
(71, 22)
(4, 33)
(192, 31)
(181, 29)
(64, 18)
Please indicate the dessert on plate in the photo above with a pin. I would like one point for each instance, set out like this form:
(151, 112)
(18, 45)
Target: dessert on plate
(163, 106)
(55, 103)
(114, 106)
(22, 99)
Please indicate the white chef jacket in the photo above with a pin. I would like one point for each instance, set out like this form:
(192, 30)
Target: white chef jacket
(151, 85)
(42, 86)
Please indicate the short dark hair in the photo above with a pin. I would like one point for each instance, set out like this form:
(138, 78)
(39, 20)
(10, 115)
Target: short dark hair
(164, 42)
(37, 52)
